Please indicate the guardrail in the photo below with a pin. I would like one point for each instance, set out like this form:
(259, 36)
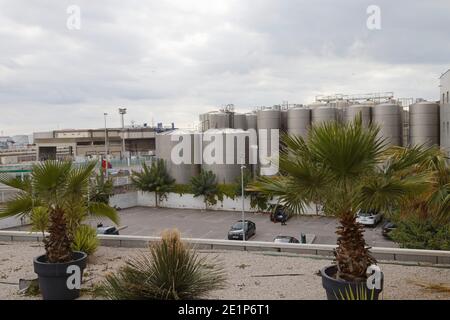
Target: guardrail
(383, 254)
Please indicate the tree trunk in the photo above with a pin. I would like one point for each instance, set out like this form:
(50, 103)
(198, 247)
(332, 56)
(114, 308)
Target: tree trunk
(352, 254)
(58, 243)
(156, 199)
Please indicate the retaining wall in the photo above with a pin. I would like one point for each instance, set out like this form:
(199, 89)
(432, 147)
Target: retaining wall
(383, 254)
(184, 201)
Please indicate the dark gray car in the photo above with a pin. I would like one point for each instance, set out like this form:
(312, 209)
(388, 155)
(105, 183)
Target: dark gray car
(236, 233)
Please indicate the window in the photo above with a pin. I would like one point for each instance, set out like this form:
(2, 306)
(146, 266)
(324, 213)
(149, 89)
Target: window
(447, 96)
(443, 97)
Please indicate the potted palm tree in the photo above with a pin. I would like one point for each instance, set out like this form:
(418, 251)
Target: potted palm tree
(347, 167)
(61, 190)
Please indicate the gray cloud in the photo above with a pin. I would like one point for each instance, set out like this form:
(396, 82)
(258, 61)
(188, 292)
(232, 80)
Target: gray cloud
(169, 61)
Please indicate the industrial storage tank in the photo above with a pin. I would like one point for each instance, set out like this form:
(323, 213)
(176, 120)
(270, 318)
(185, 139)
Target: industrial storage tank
(284, 119)
(268, 119)
(239, 121)
(324, 114)
(252, 120)
(181, 151)
(356, 110)
(424, 123)
(299, 121)
(224, 158)
(216, 120)
(389, 117)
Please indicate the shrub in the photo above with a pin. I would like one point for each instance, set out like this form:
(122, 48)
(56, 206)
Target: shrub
(85, 239)
(205, 184)
(182, 189)
(418, 234)
(228, 190)
(170, 272)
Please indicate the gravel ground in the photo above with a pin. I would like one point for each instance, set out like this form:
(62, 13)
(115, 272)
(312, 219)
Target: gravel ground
(251, 275)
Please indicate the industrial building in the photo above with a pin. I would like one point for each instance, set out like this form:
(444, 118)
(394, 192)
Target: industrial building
(402, 122)
(445, 111)
(95, 143)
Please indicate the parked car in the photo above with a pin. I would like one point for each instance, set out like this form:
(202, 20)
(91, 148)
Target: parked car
(107, 230)
(368, 217)
(285, 239)
(235, 232)
(279, 214)
(387, 229)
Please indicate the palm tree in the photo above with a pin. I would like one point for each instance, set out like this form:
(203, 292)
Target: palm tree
(61, 189)
(346, 167)
(205, 184)
(101, 189)
(434, 204)
(154, 179)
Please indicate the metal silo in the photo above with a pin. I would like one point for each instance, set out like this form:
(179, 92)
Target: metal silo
(284, 119)
(324, 114)
(358, 110)
(268, 120)
(299, 121)
(389, 117)
(239, 121)
(424, 123)
(252, 120)
(223, 152)
(181, 151)
(216, 120)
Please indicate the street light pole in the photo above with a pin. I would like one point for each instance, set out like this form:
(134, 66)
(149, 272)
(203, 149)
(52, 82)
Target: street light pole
(122, 112)
(106, 146)
(242, 195)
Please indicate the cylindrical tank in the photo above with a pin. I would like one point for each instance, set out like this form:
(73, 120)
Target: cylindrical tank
(268, 121)
(224, 150)
(252, 120)
(424, 123)
(389, 117)
(284, 120)
(239, 121)
(299, 121)
(216, 120)
(181, 151)
(358, 110)
(323, 114)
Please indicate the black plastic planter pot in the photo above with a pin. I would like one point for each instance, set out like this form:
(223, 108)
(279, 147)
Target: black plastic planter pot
(338, 289)
(53, 277)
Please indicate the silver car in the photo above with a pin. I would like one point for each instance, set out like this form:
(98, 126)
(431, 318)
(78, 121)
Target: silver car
(368, 217)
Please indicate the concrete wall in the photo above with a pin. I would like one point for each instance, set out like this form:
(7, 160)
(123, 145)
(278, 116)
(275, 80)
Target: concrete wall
(382, 254)
(185, 201)
(11, 222)
(124, 200)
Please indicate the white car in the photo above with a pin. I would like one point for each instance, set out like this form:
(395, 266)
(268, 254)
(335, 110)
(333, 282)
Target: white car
(368, 218)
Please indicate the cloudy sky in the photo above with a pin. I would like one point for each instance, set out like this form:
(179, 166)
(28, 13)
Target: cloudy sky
(170, 60)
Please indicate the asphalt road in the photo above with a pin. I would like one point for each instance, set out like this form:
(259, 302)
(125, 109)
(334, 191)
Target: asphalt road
(215, 225)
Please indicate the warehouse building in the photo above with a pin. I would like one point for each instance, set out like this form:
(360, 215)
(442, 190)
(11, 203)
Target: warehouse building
(70, 144)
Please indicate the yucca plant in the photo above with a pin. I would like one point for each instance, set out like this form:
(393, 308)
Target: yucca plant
(171, 271)
(205, 184)
(154, 179)
(60, 189)
(85, 239)
(356, 292)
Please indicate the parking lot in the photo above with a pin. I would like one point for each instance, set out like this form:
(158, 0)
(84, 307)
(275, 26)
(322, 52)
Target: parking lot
(146, 221)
